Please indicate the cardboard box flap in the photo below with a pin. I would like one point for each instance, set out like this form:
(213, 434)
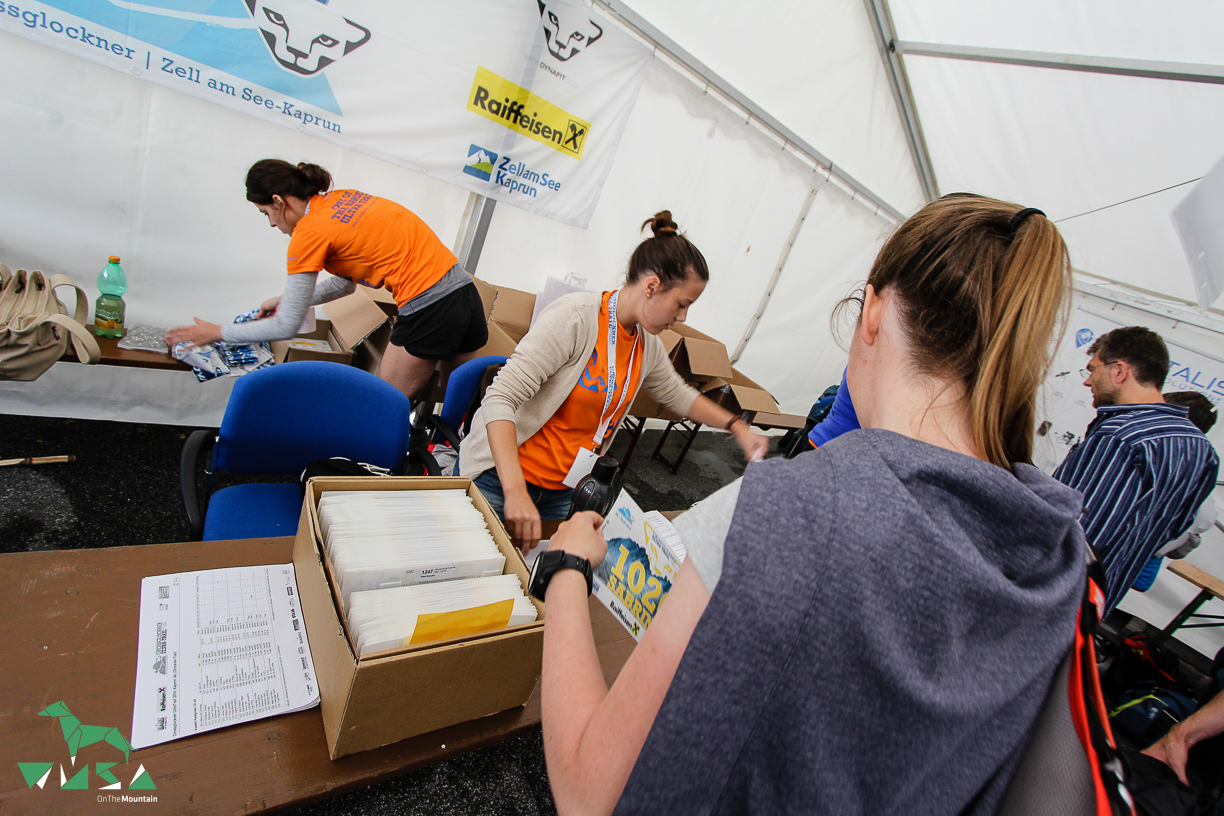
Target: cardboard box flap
(670, 339)
(488, 295)
(499, 342)
(354, 318)
(754, 399)
(512, 310)
(384, 299)
(706, 358)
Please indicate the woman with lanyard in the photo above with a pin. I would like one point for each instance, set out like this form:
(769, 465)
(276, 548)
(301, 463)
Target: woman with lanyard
(358, 238)
(556, 404)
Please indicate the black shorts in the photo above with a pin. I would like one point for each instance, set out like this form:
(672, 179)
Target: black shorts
(444, 329)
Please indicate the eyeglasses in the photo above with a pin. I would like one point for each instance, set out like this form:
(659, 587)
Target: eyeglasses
(1088, 371)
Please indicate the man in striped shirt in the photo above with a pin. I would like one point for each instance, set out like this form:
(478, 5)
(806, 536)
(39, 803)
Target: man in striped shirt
(1143, 468)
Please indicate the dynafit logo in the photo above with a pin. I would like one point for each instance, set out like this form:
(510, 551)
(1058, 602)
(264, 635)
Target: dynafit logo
(1083, 337)
(304, 36)
(567, 30)
(76, 736)
(480, 163)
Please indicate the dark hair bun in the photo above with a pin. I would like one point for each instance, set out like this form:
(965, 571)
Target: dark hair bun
(316, 177)
(662, 225)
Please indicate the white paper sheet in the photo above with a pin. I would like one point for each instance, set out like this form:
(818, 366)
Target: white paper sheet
(219, 647)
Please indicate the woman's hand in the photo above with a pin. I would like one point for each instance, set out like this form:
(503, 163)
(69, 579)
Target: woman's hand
(523, 517)
(754, 445)
(201, 334)
(580, 536)
(268, 307)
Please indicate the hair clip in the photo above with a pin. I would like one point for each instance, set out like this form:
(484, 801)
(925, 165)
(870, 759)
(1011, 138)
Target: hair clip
(1018, 218)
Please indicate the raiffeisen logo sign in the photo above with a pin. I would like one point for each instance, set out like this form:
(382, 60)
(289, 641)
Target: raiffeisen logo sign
(76, 736)
(500, 100)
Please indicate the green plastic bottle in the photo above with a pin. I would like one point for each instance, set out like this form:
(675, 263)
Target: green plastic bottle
(110, 310)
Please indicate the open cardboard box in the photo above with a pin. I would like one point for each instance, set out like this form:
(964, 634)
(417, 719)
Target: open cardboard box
(354, 321)
(392, 695)
(738, 394)
(696, 356)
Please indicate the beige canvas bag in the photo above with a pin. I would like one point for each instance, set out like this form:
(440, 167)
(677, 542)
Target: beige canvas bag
(35, 327)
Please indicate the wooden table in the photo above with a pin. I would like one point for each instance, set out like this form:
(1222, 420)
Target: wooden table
(70, 620)
(1210, 587)
(113, 355)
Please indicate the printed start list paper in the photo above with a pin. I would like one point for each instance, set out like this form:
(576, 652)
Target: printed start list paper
(217, 648)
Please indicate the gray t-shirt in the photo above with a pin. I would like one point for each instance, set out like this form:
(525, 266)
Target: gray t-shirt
(887, 623)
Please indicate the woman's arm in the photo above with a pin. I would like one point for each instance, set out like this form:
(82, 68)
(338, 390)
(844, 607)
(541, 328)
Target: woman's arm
(519, 510)
(592, 736)
(288, 314)
(705, 411)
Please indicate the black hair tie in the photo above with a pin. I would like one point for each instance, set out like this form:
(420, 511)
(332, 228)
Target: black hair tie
(1018, 218)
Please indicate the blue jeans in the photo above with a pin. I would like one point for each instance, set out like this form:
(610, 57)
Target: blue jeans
(551, 504)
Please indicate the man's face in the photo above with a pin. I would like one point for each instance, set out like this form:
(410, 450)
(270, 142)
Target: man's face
(1100, 382)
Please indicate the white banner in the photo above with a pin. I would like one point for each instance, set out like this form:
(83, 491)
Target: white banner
(523, 101)
(1068, 402)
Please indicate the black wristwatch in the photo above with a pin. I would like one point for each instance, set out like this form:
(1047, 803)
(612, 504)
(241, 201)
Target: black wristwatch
(549, 564)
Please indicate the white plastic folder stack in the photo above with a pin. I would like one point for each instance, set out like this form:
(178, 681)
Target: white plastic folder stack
(397, 556)
(391, 618)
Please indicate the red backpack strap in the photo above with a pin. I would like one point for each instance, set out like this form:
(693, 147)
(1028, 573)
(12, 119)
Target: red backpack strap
(1088, 710)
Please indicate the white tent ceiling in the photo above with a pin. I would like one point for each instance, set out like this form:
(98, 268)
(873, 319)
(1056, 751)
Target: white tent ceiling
(744, 109)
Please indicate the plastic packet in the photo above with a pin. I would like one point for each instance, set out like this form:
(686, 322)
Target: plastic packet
(142, 337)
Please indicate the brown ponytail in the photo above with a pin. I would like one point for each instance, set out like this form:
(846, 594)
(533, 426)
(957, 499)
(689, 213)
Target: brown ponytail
(669, 255)
(982, 286)
(269, 177)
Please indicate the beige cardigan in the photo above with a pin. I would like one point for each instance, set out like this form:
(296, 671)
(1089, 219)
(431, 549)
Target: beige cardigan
(546, 365)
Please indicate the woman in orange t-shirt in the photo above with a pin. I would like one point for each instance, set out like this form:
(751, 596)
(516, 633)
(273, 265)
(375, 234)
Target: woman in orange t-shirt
(557, 402)
(358, 238)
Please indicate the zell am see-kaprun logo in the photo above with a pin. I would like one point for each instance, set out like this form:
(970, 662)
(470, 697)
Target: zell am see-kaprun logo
(516, 177)
(76, 736)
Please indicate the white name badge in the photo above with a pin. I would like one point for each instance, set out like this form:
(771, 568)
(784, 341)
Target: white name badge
(584, 462)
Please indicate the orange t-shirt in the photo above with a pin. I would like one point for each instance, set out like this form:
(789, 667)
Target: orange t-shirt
(368, 240)
(548, 455)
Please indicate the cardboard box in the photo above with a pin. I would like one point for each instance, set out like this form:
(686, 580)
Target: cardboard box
(508, 312)
(357, 330)
(696, 356)
(389, 696)
(738, 394)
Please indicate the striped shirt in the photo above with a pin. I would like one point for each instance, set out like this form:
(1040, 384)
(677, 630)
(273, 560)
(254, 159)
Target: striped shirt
(1144, 469)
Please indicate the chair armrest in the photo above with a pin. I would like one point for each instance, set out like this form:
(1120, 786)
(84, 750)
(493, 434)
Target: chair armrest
(443, 430)
(196, 444)
(419, 457)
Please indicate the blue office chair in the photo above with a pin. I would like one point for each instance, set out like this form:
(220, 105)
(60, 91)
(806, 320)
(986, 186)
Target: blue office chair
(277, 421)
(461, 399)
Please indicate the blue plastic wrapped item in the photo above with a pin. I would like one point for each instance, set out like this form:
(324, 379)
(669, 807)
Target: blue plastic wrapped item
(220, 359)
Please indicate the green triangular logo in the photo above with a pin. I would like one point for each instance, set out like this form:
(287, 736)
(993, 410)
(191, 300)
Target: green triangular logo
(35, 772)
(142, 781)
(80, 781)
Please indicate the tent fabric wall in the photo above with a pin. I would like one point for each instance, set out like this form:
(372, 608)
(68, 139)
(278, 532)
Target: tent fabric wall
(110, 164)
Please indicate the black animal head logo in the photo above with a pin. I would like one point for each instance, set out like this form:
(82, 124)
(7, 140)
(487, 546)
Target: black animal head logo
(567, 31)
(304, 36)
